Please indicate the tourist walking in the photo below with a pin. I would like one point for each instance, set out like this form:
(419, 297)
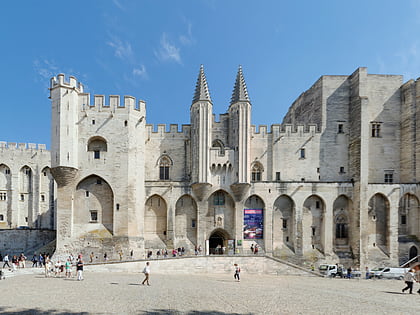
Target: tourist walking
(146, 272)
(34, 261)
(68, 268)
(6, 260)
(237, 272)
(409, 281)
(79, 268)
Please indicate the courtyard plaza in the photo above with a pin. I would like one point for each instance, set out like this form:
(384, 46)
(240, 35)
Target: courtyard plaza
(29, 292)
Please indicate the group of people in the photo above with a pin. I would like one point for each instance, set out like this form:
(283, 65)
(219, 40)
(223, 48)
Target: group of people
(15, 262)
(254, 249)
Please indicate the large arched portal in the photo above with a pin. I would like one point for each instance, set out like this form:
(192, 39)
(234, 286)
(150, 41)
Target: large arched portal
(218, 242)
(186, 222)
(155, 222)
(93, 205)
(313, 222)
(378, 223)
(284, 223)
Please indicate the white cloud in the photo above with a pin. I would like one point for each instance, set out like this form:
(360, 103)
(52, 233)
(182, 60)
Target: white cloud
(188, 38)
(122, 49)
(409, 60)
(118, 5)
(141, 72)
(168, 51)
(45, 68)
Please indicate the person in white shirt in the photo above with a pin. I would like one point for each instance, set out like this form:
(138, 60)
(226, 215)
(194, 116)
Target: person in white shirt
(146, 272)
(409, 280)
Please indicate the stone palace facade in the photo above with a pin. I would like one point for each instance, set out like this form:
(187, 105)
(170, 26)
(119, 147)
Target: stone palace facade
(337, 181)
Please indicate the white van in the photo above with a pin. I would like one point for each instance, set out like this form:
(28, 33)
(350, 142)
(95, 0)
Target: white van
(331, 270)
(391, 273)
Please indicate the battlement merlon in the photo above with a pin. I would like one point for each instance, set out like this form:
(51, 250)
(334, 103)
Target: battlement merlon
(285, 129)
(72, 82)
(114, 103)
(162, 129)
(22, 146)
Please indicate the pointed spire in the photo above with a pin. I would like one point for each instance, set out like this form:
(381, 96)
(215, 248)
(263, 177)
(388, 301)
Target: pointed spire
(201, 89)
(240, 93)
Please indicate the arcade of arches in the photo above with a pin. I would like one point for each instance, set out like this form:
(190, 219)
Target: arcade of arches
(314, 227)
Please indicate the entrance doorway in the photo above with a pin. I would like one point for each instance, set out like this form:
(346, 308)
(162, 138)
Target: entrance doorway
(413, 252)
(218, 242)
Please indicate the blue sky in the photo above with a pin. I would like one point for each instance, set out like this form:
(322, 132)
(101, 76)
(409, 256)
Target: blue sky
(152, 50)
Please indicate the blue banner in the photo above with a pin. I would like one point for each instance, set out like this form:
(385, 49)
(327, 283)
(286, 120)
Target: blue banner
(253, 224)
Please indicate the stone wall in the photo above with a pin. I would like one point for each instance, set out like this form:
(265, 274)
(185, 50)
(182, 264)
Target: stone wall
(14, 242)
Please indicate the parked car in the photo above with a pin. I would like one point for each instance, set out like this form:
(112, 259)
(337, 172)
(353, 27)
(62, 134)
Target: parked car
(375, 272)
(392, 273)
(331, 270)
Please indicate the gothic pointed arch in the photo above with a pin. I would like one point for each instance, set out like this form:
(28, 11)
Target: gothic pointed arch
(26, 200)
(341, 224)
(45, 217)
(218, 241)
(409, 216)
(155, 222)
(221, 212)
(97, 145)
(186, 222)
(313, 224)
(93, 205)
(378, 225)
(257, 170)
(5, 195)
(217, 143)
(284, 223)
(165, 163)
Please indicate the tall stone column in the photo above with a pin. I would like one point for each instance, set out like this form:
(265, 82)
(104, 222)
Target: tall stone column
(239, 225)
(65, 178)
(14, 210)
(328, 228)
(201, 226)
(268, 230)
(393, 226)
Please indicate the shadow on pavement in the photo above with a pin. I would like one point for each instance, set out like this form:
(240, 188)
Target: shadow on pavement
(35, 311)
(393, 292)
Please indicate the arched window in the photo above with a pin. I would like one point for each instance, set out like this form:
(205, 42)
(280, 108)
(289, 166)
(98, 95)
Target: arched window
(341, 227)
(256, 172)
(97, 145)
(219, 144)
(164, 166)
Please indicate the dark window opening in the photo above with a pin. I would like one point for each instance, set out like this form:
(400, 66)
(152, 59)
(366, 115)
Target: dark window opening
(340, 128)
(302, 153)
(389, 178)
(341, 230)
(93, 216)
(219, 199)
(284, 223)
(87, 193)
(317, 204)
(403, 219)
(96, 154)
(376, 130)
(99, 182)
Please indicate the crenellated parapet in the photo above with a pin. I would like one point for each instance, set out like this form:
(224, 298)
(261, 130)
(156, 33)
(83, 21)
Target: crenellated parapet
(61, 80)
(162, 131)
(14, 146)
(285, 130)
(114, 103)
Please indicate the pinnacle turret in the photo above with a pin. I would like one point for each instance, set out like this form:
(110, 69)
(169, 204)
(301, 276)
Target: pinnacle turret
(201, 88)
(240, 93)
